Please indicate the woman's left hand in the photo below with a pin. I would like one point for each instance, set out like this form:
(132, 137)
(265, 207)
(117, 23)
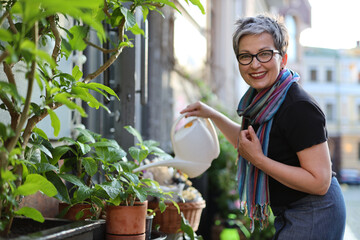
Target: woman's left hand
(250, 146)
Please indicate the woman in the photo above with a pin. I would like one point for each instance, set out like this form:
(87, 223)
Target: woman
(284, 159)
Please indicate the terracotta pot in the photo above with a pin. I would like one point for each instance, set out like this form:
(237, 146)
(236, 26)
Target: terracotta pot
(71, 213)
(170, 219)
(129, 221)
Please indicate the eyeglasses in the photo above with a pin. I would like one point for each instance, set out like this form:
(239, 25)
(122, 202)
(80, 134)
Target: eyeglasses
(262, 56)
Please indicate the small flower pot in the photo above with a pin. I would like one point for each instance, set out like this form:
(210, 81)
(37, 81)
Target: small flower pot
(126, 222)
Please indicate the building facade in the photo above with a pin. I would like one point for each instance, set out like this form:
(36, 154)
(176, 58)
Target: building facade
(333, 78)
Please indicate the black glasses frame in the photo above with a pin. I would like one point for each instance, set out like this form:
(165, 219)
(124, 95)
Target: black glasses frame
(256, 55)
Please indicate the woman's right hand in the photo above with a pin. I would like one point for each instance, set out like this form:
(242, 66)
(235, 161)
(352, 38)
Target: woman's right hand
(229, 128)
(199, 109)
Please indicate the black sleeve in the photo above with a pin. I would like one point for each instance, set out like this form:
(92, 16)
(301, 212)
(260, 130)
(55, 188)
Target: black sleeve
(303, 125)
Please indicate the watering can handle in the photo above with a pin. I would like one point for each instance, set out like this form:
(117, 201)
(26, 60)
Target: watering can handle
(212, 129)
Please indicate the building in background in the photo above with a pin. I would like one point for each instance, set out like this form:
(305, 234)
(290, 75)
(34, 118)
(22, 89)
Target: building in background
(333, 78)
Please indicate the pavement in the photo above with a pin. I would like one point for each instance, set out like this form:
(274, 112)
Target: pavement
(352, 201)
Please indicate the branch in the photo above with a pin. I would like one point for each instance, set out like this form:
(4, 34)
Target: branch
(104, 50)
(113, 57)
(9, 73)
(35, 119)
(12, 25)
(55, 31)
(4, 55)
(11, 108)
(2, 18)
(105, 66)
(24, 115)
(106, 9)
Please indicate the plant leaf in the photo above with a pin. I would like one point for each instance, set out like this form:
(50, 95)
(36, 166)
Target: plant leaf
(58, 152)
(77, 73)
(83, 193)
(63, 98)
(134, 132)
(72, 179)
(55, 122)
(34, 183)
(77, 40)
(63, 194)
(96, 87)
(30, 213)
(90, 166)
(138, 154)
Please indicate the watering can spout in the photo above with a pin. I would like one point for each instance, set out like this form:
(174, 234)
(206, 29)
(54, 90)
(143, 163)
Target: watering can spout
(195, 146)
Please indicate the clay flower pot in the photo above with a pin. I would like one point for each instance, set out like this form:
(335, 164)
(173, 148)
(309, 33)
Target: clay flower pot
(126, 222)
(71, 213)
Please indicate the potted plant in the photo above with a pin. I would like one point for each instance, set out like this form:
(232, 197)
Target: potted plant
(79, 164)
(127, 190)
(33, 39)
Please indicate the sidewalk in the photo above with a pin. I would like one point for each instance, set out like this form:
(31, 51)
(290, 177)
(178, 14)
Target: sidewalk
(352, 201)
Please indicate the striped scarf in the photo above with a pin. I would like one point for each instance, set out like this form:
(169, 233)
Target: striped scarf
(259, 108)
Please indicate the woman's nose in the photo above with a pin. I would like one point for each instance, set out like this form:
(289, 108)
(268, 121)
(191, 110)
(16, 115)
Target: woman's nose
(255, 63)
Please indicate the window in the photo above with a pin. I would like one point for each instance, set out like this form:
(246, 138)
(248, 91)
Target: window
(290, 22)
(329, 75)
(359, 151)
(358, 112)
(330, 112)
(313, 75)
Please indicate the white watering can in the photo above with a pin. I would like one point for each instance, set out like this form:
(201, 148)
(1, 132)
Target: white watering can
(195, 146)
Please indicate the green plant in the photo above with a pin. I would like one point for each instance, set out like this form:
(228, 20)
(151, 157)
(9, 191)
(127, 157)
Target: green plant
(124, 186)
(79, 165)
(27, 26)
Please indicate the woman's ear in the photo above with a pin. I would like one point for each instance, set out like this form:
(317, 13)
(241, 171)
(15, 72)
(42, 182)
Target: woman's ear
(284, 61)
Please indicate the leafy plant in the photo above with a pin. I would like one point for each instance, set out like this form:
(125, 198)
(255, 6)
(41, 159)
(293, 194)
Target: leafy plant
(27, 28)
(124, 186)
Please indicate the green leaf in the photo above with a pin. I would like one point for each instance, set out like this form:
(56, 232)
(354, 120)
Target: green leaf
(96, 87)
(58, 152)
(90, 166)
(166, 2)
(78, 34)
(83, 193)
(55, 121)
(30, 213)
(145, 12)
(138, 154)
(85, 135)
(34, 183)
(63, 194)
(72, 179)
(129, 17)
(113, 188)
(77, 73)
(40, 133)
(63, 98)
(10, 88)
(137, 30)
(141, 193)
(199, 5)
(42, 148)
(134, 132)
(45, 167)
(7, 175)
(5, 35)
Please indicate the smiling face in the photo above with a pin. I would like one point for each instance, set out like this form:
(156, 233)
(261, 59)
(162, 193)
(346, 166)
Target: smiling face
(260, 75)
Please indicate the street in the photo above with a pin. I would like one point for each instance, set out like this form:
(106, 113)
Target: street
(352, 201)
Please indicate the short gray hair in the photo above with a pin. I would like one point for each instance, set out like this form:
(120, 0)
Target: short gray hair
(260, 24)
